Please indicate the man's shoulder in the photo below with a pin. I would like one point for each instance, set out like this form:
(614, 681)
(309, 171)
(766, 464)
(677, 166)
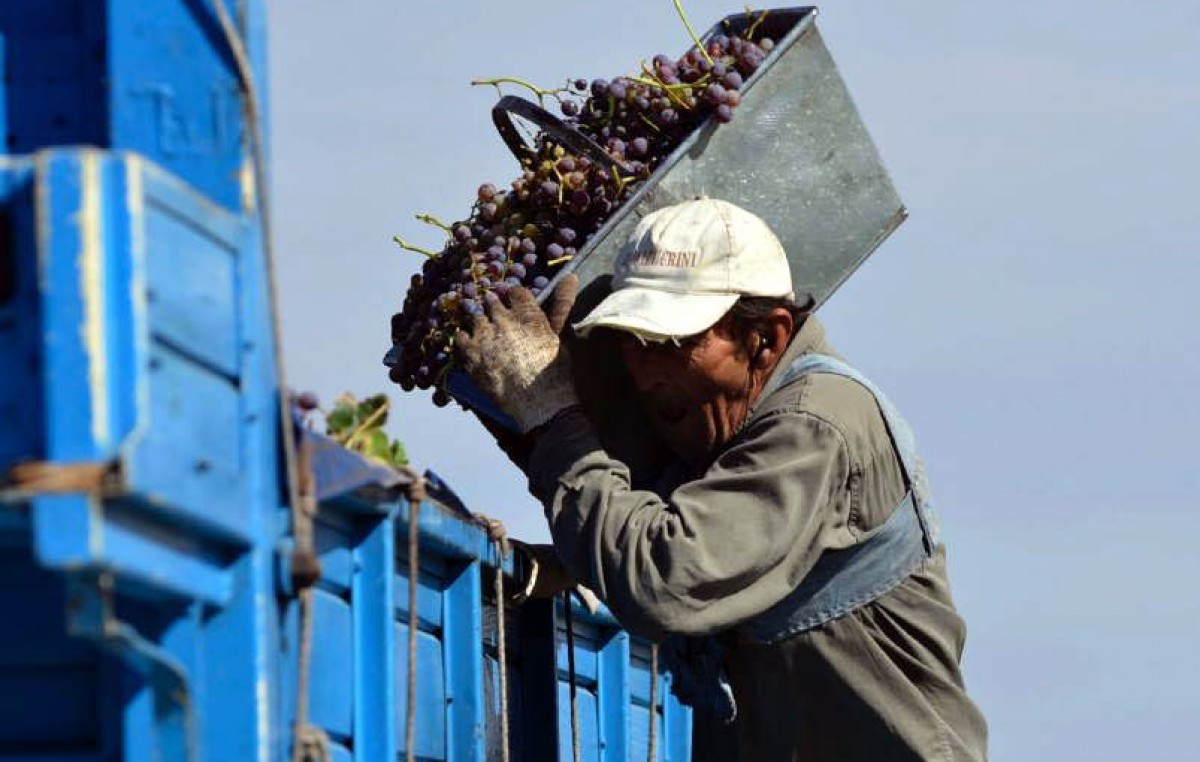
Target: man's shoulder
(839, 401)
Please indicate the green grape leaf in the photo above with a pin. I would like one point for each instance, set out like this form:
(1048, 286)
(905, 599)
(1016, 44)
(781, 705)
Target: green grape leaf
(358, 426)
(376, 445)
(399, 456)
(373, 405)
(342, 418)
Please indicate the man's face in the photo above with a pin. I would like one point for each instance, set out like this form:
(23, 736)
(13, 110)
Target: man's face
(696, 394)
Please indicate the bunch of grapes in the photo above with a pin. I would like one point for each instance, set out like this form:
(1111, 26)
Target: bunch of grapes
(522, 236)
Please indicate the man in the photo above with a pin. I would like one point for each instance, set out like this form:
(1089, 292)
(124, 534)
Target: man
(789, 551)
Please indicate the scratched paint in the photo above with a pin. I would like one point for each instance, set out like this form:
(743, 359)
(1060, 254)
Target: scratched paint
(262, 705)
(135, 202)
(92, 289)
(95, 526)
(43, 221)
(249, 192)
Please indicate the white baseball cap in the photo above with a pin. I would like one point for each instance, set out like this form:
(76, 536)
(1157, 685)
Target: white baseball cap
(683, 268)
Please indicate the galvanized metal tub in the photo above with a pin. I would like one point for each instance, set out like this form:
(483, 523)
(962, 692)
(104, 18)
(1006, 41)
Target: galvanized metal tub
(796, 154)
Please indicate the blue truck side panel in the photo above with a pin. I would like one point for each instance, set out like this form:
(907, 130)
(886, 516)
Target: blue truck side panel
(153, 612)
(116, 391)
(50, 683)
(151, 77)
(55, 67)
(191, 532)
(375, 655)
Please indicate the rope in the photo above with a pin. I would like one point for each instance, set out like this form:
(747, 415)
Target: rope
(570, 625)
(652, 753)
(25, 481)
(303, 731)
(410, 720)
(303, 531)
(499, 537)
(250, 102)
(304, 560)
(496, 533)
(315, 744)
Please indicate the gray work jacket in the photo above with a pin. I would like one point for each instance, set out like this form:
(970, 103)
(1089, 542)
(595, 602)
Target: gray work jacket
(813, 469)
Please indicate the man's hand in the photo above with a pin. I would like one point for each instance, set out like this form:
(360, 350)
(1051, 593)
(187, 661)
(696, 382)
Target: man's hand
(516, 358)
(548, 576)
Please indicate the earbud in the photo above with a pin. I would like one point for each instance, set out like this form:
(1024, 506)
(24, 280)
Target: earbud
(763, 345)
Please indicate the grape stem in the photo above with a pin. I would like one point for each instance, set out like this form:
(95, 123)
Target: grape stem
(757, 22)
(540, 92)
(366, 424)
(691, 32)
(649, 123)
(409, 247)
(429, 219)
(560, 260)
(654, 81)
(619, 181)
(440, 381)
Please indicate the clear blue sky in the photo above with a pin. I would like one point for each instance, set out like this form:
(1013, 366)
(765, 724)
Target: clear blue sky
(1035, 318)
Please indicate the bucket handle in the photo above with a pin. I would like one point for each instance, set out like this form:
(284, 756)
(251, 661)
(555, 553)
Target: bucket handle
(550, 124)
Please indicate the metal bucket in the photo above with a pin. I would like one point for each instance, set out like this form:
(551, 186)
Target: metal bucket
(796, 154)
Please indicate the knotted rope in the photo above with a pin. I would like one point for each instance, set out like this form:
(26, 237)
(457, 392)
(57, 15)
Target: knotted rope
(499, 537)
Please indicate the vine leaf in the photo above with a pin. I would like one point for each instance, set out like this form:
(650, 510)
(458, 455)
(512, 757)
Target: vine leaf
(358, 426)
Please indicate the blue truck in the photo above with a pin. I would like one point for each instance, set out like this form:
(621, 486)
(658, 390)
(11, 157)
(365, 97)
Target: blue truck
(184, 575)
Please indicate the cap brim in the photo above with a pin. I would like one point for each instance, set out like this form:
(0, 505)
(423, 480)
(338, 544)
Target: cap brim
(656, 315)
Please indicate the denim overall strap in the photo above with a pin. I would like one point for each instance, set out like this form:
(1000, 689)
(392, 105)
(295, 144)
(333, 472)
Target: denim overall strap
(898, 429)
(847, 579)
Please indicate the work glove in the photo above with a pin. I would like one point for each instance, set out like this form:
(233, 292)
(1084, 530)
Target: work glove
(514, 354)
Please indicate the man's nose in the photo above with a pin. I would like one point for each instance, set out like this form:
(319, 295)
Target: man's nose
(646, 365)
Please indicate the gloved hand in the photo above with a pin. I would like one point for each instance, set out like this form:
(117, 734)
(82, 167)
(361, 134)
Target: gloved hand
(561, 302)
(514, 355)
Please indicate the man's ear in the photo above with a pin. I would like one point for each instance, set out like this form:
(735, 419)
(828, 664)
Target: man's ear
(772, 338)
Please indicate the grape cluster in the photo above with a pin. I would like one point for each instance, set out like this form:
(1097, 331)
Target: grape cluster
(522, 236)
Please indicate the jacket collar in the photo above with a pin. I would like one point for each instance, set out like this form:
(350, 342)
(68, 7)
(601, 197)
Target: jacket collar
(810, 338)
